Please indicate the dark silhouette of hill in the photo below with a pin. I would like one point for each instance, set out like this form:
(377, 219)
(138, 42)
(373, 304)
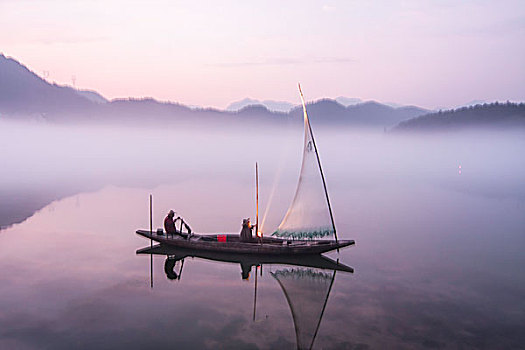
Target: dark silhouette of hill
(276, 106)
(495, 115)
(23, 94)
(328, 111)
(93, 96)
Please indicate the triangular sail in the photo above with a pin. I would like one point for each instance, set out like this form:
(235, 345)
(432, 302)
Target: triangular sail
(306, 292)
(309, 215)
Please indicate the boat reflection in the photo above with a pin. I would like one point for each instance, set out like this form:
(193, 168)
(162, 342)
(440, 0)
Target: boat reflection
(306, 281)
(247, 261)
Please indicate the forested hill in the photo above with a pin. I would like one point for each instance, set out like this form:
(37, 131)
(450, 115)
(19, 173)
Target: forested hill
(494, 116)
(26, 96)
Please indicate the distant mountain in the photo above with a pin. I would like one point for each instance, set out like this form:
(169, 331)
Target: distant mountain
(472, 103)
(237, 105)
(276, 106)
(91, 95)
(329, 111)
(348, 101)
(495, 115)
(283, 106)
(23, 94)
(371, 113)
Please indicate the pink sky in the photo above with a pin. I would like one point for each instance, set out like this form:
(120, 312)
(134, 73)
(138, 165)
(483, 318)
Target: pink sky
(427, 53)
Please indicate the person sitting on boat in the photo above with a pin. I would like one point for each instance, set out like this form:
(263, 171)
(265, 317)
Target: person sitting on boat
(169, 226)
(246, 231)
(169, 223)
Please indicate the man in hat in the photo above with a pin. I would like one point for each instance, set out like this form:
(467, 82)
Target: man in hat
(169, 223)
(246, 231)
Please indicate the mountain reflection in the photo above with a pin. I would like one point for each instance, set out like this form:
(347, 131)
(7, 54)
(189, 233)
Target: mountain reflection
(305, 281)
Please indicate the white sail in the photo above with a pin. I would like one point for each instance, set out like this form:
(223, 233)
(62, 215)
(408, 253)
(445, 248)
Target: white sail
(309, 215)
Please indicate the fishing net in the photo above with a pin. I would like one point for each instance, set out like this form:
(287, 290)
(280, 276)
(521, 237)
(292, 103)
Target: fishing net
(306, 292)
(308, 216)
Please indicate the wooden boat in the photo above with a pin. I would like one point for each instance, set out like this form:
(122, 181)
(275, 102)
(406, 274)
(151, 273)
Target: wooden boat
(231, 244)
(300, 233)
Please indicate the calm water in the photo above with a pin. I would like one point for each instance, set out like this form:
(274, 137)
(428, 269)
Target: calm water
(438, 260)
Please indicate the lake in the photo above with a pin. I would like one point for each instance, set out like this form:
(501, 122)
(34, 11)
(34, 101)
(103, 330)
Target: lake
(437, 219)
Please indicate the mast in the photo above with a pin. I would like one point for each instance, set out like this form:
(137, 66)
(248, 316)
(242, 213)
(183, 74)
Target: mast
(151, 219)
(307, 121)
(257, 203)
(151, 240)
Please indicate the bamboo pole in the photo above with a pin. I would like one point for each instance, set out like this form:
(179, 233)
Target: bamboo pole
(181, 267)
(151, 219)
(257, 203)
(151, 239)
(255, 294)
(151, 270)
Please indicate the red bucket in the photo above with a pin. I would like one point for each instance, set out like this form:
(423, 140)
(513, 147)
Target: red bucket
(221, 238)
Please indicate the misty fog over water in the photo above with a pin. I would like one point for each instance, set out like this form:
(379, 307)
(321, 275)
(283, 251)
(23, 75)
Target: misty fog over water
(42, 158)
(437, 218)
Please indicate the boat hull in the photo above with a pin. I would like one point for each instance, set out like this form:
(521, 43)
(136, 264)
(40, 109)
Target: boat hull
(231, 244)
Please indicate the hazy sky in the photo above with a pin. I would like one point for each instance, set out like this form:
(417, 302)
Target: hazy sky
(210, 53)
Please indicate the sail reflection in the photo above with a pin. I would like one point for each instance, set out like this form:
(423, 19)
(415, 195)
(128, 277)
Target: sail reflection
(307, 291)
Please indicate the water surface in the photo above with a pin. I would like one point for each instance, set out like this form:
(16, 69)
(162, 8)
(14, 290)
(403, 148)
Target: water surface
(437, 261)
